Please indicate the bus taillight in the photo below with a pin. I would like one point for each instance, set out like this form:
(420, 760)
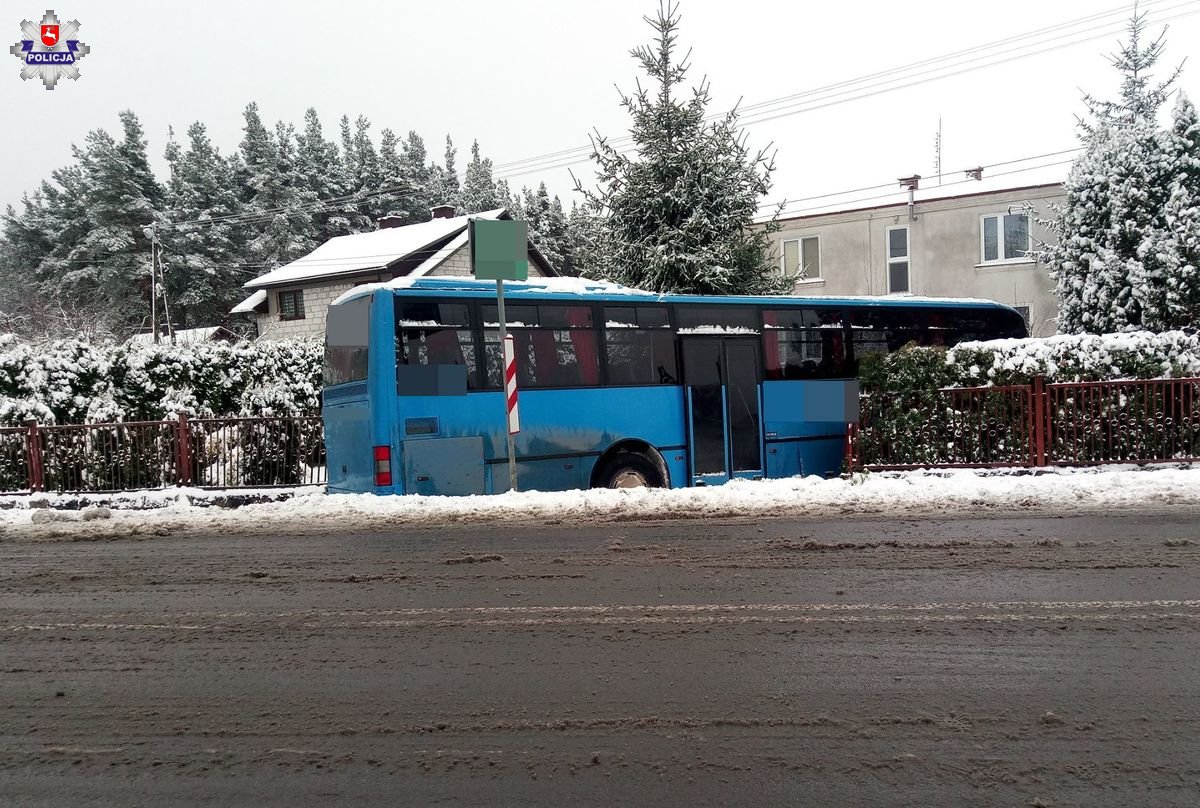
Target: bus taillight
(383, 465)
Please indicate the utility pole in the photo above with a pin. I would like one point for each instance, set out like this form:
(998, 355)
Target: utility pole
(150, 234)
(156, 274)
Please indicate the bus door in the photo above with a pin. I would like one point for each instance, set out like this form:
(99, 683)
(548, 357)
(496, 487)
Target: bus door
(725, 426)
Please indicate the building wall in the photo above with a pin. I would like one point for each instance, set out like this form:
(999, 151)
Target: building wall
(316, 302)
(944, 248)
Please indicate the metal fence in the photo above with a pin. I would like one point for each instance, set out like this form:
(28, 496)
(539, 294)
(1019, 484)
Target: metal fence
(1039, 424)
(207, 453)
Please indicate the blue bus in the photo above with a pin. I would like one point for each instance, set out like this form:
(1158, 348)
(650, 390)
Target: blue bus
(618, 388)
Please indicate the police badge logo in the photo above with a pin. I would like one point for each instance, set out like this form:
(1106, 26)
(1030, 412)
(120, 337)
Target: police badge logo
(51, 51)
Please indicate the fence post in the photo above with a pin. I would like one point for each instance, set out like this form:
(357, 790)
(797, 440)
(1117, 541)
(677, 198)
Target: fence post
(851, 460)
(33, 447)
(1040, 424)
(183, 443)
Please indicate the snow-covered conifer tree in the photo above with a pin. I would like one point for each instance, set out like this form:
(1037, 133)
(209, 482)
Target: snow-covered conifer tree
(1181, 246)
(673, 214)
(478, 192)
(204, 237)
(443, 179)
(282, 205)
(111, 261)
(1108, 259)
(320, 166)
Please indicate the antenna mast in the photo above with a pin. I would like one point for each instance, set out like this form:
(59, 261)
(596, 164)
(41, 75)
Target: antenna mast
(937, 152)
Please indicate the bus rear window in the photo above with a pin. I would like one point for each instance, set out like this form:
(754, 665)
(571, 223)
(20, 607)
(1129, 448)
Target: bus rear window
(347, 335)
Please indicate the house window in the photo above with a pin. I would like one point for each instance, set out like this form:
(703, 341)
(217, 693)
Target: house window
(1024, 312)
(291, 305)
(1004, 237)
(897, 259)
(802, 258)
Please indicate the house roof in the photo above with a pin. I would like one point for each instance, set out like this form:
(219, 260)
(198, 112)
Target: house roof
(251, 303)
(1046, 179)
(378, 249)
(184, 336)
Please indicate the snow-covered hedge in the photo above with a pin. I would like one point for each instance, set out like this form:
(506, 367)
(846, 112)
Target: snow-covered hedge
(1064, 358)
(73, 382)
(907, 419)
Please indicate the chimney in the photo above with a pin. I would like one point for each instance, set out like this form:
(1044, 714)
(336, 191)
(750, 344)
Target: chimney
(391, 220)
(442, 212)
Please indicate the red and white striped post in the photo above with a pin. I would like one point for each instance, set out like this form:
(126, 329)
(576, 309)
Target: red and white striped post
(510, 384)
(512, 416)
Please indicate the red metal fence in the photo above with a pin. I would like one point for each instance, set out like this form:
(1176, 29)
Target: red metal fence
(1068, 424)
(207, 453)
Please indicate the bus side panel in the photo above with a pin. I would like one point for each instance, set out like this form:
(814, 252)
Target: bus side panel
(348, 446)
(563, 432)
(805, 426)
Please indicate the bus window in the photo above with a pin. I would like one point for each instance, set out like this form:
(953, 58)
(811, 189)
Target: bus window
(347, 335)
(805, 344)
(432, 333)
(732, 317)
(883, 330)
(556, 346)
(639, 346)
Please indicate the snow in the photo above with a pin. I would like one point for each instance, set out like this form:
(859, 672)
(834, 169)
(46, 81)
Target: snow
(434, 261)
(248, 305)
(717, 329)
(965, 492)
(1075, 357)
(186, 336)
(363, 251)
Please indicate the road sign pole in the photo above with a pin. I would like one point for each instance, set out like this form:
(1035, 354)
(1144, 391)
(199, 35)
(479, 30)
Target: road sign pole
(508, 355)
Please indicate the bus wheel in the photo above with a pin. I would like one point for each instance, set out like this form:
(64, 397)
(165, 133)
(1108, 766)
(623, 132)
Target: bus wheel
(629, 470)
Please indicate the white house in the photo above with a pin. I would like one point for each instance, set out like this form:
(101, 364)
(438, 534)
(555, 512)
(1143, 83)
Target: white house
(291, 301)
(972, 238)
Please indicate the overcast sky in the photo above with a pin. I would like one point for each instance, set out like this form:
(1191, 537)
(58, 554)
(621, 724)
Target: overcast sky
(532, 77)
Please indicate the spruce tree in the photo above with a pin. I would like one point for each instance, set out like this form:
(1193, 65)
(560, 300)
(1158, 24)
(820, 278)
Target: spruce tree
(204, 238)
(319, 163)
(111, 262)
(394, 179)
(478, 192)
(675, 216)
(280, 204)
(581, 236)
(417, 203)
(1181, 245)
(1107, 261)
(443, 180)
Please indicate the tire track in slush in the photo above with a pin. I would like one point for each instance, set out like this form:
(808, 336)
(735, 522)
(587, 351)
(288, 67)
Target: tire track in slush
(653, 614)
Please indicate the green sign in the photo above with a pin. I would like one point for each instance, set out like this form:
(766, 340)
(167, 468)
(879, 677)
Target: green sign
(499, 249)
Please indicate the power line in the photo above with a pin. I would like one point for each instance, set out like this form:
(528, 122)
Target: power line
(869, 77)
(866, 91)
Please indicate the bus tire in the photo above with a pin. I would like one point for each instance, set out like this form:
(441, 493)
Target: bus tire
(630, 470)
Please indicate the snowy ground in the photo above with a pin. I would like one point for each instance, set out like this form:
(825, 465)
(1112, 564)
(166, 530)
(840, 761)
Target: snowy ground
(890, 494)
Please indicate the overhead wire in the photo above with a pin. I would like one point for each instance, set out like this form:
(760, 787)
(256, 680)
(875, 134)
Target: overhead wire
(871, 90)
(1036, 33)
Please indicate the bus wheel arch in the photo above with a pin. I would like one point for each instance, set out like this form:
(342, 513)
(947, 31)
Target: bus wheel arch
(623, 463)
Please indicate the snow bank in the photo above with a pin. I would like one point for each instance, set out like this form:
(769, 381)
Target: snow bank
(893, 495)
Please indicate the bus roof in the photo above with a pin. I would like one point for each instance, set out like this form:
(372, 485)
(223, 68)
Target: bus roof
(573, 288)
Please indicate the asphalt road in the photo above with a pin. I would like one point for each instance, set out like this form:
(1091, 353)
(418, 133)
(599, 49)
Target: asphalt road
(1018, 661)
